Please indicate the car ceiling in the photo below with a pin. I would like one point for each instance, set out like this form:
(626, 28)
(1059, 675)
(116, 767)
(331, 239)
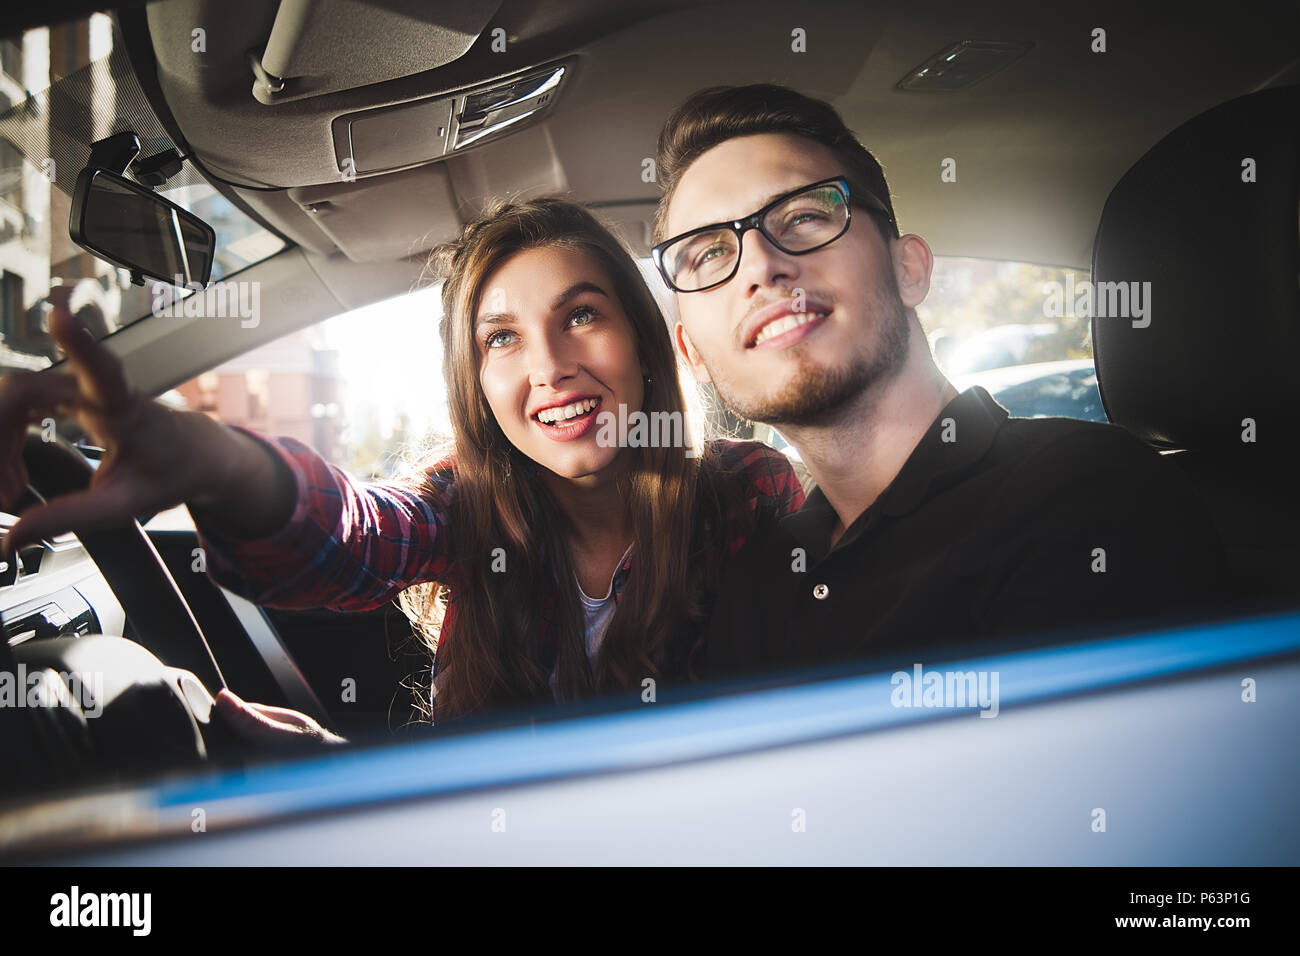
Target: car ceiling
(1038, 146)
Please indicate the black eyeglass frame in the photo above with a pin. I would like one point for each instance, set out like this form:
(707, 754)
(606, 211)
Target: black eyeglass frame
(739, 227)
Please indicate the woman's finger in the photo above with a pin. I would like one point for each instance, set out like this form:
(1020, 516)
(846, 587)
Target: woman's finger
(295, 718)
(27, 396)
(286, 716)
(249, 722)
(254, 723)
(99, 370)
(79, 511)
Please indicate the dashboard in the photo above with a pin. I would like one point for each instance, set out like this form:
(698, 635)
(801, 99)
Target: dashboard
(54, 589)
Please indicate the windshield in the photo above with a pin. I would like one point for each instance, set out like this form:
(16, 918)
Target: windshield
(55, 83)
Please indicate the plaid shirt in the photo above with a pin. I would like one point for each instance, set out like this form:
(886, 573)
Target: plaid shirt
(352, 545)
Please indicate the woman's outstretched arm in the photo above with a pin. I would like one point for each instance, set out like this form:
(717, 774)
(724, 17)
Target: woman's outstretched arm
(344, 544)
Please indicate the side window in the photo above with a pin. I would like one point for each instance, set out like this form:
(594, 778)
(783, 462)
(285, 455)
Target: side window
(1019, 330)
(364, 389)
(361, 388)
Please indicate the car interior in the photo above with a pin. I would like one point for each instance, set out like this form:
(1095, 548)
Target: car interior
(360, 134)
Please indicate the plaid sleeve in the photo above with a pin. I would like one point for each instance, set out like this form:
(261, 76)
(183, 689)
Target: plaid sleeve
(349, 545)
(771, 489)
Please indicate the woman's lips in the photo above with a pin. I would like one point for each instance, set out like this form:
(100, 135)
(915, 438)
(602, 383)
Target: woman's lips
(573, 428)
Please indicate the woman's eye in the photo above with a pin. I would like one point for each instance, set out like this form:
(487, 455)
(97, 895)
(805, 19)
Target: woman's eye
(495, 340)
(589, 315)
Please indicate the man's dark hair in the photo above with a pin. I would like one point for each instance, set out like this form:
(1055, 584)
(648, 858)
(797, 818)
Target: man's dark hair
(720, 113)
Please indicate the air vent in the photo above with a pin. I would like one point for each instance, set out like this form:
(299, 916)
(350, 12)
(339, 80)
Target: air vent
(28, 561)
(24, 564)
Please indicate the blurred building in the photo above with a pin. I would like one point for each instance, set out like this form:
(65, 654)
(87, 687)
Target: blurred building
(35, 249)
(289, 387)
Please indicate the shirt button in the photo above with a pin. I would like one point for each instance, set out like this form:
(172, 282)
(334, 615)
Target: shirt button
(820, 592)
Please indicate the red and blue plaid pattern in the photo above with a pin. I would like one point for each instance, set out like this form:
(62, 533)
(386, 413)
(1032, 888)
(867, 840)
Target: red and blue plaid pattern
(354, 545)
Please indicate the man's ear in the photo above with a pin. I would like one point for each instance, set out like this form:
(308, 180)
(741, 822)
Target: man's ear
(913, 262)
(687, 349)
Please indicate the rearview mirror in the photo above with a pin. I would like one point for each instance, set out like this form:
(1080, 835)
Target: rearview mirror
(133, 227)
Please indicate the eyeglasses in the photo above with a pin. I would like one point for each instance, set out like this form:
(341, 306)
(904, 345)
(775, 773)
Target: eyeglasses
(798, 222)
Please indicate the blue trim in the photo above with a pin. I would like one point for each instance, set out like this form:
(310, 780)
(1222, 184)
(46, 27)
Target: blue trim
(702, 728)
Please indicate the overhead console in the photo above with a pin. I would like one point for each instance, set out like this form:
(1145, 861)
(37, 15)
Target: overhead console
(393, 137)
(376, 128)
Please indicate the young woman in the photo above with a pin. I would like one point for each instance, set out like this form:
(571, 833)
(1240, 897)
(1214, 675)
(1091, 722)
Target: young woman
(552, 554)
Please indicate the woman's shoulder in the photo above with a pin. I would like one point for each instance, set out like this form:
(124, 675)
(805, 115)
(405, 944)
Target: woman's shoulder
(746, 457)
(760, 469)
(440, 467)
(735, 452)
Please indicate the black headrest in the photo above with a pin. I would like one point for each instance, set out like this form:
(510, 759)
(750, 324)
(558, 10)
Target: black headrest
(1218, 239)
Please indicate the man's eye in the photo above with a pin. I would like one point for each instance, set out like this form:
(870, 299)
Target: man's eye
(804, 217)
(495, 340)
(710, 252)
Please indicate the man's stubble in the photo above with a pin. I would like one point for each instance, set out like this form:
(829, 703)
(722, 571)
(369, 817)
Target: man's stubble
(815, 394)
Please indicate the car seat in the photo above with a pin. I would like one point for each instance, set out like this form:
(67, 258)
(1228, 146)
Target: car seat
(1210, 217)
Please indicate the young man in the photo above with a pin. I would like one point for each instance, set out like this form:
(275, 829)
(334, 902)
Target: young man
(936, 518)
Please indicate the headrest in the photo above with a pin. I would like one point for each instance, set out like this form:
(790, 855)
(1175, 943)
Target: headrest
(1210, 218)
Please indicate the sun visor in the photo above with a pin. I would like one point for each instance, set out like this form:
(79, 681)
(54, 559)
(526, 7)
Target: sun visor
(384, 217)
(323, 46)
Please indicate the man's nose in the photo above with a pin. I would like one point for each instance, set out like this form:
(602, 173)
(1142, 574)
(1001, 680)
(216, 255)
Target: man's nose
(550, 362)
(763, 264)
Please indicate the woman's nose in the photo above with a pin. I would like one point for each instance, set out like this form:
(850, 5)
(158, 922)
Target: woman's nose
(550, 362)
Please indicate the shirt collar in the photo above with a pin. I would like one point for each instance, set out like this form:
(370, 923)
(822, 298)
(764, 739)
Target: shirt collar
(958, 437)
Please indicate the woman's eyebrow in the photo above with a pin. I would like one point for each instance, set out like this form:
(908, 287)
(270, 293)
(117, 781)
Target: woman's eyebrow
(499, 318)
(575, 290)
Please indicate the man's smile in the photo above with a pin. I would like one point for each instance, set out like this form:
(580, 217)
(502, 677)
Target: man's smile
(783, 323)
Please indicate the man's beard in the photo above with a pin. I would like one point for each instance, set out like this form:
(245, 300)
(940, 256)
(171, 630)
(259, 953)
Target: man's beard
(815, 394)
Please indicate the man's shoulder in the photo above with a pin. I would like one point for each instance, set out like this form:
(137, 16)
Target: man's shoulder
(1071, 448)
(1095, 472)
(1035, 433)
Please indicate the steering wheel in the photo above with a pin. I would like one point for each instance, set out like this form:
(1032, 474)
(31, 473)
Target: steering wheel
(152, 698)
(129, 563)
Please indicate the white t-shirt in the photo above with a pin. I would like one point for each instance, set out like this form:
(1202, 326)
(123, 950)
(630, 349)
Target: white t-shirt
(596, 613)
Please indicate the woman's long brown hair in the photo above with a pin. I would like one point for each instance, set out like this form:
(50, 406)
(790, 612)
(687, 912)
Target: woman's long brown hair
(494, 655)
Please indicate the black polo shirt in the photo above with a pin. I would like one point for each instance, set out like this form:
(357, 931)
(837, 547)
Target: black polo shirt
(994, 526)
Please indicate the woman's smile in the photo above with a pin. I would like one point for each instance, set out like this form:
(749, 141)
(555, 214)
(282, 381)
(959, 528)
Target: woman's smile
(568, 419)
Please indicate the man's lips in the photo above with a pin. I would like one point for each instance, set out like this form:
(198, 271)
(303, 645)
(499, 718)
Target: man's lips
(782, 318)
(781, 335)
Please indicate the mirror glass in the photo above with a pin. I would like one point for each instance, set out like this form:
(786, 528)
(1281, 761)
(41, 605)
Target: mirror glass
(136, 228)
